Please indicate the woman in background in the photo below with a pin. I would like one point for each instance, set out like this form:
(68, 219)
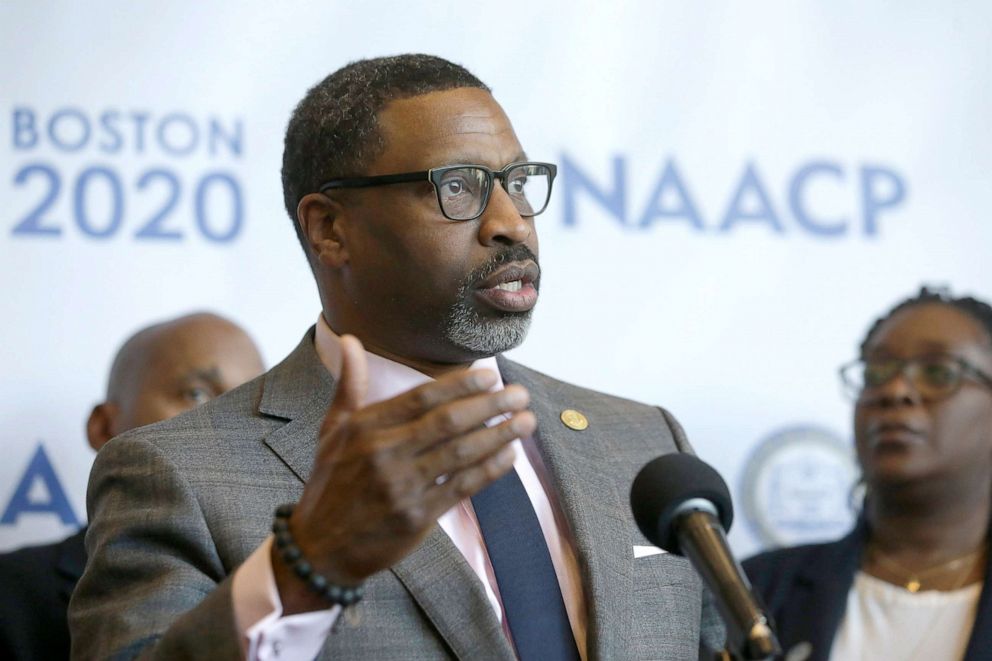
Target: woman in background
(909, 582)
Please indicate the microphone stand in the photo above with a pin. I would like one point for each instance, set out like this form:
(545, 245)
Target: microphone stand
(701, 536)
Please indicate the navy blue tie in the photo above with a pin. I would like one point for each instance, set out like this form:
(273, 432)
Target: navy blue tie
(528, 586)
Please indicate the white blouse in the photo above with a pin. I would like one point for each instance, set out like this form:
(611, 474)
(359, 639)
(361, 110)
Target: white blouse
(885, 621)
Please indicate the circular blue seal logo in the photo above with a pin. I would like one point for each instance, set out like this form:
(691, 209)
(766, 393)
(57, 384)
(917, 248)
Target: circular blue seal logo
(797, 486)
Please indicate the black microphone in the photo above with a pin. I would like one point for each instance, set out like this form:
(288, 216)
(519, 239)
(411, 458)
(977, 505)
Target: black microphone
(682, 505)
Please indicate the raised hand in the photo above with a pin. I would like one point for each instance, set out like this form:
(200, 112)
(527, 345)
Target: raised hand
(384, 473)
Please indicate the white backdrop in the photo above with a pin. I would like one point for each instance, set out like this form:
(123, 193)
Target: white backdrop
(743, 187)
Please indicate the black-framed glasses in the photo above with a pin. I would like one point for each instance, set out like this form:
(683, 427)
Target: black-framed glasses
(934, 376)
(463, 191)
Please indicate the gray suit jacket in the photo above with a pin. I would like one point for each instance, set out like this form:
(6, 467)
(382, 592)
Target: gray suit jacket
(176, 507)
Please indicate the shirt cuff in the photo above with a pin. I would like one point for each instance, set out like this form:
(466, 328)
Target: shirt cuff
(265, 635)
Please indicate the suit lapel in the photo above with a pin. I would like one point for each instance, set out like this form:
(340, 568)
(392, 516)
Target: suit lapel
(299, 390)
(452, 597)
(580, 465)
(296, 443)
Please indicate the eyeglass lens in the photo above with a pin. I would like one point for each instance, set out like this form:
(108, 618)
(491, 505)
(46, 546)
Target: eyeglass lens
(930, 376)
(464, 192)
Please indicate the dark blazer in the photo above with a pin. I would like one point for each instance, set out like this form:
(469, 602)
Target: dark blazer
(805, 588)
(175, 507)
(35, 585)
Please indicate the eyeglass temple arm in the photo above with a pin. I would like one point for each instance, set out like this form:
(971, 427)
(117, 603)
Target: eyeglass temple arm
(379, 180)
(979, 374)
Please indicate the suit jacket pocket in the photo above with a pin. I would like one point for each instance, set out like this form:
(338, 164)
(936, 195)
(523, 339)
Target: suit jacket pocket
(667, 607)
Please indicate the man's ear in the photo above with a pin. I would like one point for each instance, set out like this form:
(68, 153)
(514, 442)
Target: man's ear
(101, 424)
(319, 217)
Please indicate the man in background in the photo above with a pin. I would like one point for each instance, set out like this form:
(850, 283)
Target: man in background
(159, 372)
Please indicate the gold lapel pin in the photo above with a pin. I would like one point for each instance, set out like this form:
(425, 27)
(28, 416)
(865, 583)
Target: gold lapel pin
(574, 420)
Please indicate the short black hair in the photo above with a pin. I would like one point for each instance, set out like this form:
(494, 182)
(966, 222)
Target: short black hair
(978, 310)
(334, 130)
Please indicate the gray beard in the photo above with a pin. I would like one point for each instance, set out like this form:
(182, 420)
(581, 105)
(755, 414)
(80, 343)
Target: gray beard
(484, 337)
(487, 336)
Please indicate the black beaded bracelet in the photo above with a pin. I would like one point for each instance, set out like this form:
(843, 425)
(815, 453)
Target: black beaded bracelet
(293, 556)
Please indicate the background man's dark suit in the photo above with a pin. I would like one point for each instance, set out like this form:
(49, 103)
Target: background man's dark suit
(35, 585)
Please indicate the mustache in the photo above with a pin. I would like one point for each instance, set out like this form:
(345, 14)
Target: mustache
(515, 253)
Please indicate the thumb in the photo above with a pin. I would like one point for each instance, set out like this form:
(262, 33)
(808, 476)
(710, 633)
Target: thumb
(353, 383)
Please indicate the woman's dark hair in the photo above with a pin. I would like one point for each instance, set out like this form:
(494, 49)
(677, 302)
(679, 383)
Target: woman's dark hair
(978, 310)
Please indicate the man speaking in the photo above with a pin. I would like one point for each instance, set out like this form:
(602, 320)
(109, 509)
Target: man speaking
(394, 488)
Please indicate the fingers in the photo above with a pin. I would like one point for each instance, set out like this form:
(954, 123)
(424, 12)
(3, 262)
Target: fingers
(418, 401)
(461, 417)
(465, 483)
(464, 466)
(463, 452)
(422, 509)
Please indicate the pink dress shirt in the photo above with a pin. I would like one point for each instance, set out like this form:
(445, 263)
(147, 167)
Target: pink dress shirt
(267, 635)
